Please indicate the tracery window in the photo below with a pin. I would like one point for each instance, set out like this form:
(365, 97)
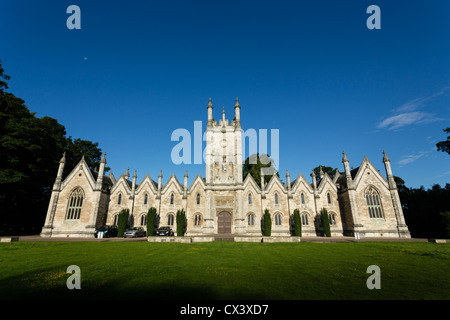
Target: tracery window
(75, 204)
(374, 203)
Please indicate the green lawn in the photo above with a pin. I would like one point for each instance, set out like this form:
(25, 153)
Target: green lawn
(225, 270)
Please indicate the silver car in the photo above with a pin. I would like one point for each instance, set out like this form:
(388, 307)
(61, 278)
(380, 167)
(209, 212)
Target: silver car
(134, 232)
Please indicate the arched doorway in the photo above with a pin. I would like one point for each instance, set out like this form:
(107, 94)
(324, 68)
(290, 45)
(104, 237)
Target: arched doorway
(224, 222)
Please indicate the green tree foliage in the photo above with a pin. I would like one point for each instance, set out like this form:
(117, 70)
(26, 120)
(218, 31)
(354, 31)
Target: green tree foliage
(329, 170)
(325, 222)
(297, 223)
(445, 217)
(30, 150)
(444, 146)
(122, 222)
(253, 164)
(151, 221)
(267, 223)
(181, 222)
(422, 210)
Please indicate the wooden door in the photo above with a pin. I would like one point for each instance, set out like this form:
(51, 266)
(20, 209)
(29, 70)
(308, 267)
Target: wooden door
(224, 222)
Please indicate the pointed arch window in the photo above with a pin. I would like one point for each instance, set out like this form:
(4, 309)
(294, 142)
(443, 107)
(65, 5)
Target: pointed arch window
(75, 205)
(116, 219)
(197, 219)
(251, 219)
(170, 219)
(146, 198)
(198, 198)
(374, 203)
(328, 198)
(304, 219)
(278, 219)
(276, 198)
(332, 218)
(143, 220)
(302, 196)
(171, 198)
(249, 198)
(119, 199)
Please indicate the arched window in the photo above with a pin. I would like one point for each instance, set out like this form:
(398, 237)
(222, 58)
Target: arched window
(170, 220)
(302, 196)
(116, 219)
(374, 203)
(328, 197)
(249, 198)
(171, 198)
(75, 204)
(304, 219)
(145, 198)
(198, 198)
(143, 220)
(119, 199)
(332, 218)
(276, 198)
(278, 219)
(197, 219)
(251, 219)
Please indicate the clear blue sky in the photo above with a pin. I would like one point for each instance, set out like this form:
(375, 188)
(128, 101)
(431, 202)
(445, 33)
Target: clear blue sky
(138, 70)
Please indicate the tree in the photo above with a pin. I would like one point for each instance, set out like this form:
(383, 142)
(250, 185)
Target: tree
(329, 170)
(267, 223)
(122, 222)
(151, 221)
(253, 164)
(181, 221)
(297, 223)
(30, 150)
(325, 222)
(444, 146)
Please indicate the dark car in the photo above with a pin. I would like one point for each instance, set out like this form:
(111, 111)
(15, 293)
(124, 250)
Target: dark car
(135, 232)
(108, 231)
(164, 231)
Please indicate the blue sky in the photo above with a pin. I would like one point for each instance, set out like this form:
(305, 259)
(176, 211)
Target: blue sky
(138, 70)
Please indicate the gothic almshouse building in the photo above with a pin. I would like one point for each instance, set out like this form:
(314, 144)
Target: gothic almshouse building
(361, 201)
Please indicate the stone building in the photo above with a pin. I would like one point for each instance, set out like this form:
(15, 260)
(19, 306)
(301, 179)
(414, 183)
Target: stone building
(359, 202)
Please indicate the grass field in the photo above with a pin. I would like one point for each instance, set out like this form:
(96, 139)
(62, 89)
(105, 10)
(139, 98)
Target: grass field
(225, 270)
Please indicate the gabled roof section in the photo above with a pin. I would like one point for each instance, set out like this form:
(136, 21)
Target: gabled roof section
(147, 180)
(198, 180)
(366, 164)
(275, 180)
(82, 165)
(122, 181)
(173, 180)
(301, 180)
(250, 180)
(326, 179)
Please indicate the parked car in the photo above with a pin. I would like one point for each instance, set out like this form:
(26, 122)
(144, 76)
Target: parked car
(164, 231)
(134, 232)
(108, 231)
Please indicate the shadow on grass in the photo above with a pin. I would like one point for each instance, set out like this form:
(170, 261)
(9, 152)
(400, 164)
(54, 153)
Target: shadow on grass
(48, 284)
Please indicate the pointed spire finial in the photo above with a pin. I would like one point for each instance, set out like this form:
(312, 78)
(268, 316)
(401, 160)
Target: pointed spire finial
(223, 113)
(385, 157)
(344, 158)
(160, 173)
(103, 160)
(186, 173)
(63, 159)
(209, 103)
(134, 175)
(287, 173)
(237, 103)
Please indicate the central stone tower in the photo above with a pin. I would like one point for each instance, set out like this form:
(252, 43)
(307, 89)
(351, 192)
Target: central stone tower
(224, 188)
